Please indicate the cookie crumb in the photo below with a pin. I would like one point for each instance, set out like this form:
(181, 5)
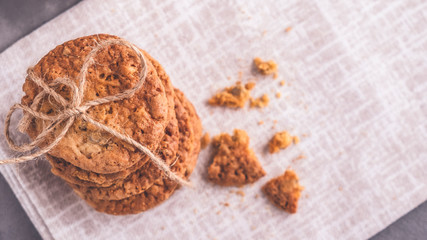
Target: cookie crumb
(266, 67)
(282, 83)
(205, 140)
(261, 122)
(250, 85)
(233, 97)
(226, 204)
(278, 95)
(281, 140)
(288, 29)
(296, 139)
(240, 193)
(302, 156)
(234, 163)
(260, 102)
(284, 191)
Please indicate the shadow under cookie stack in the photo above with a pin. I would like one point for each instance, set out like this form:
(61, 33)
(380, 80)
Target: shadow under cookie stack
(109, 174)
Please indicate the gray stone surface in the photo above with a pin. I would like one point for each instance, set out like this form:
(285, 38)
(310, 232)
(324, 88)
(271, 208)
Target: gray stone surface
(14, 223)
(20, 17)
(412, 226)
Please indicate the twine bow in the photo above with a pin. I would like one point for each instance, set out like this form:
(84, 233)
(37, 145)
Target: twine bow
(75, 108)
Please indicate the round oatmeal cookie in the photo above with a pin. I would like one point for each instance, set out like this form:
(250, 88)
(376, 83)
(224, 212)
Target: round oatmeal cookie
(163, 188)
(76, 175)
(144, 178)
(143, 116)
(167, 151)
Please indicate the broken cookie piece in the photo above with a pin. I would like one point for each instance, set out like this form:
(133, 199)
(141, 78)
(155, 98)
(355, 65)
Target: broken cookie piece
(234, 163)
(260, 102)
(234, 96)
(281, 140)
(266, 67)
(284, 191)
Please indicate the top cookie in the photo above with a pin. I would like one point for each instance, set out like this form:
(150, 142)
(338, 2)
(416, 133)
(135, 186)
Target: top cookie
(142, 117)
(82, 177)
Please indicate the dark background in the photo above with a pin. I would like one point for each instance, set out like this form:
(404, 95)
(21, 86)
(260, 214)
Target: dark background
(20, 17)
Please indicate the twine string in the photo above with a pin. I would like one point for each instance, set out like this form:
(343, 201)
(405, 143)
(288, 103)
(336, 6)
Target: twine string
(70, 110)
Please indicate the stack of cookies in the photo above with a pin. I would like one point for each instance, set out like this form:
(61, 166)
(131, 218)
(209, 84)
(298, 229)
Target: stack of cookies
(111, 175)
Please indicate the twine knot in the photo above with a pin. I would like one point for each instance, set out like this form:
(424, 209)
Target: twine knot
(69, 112)
(73, 108)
